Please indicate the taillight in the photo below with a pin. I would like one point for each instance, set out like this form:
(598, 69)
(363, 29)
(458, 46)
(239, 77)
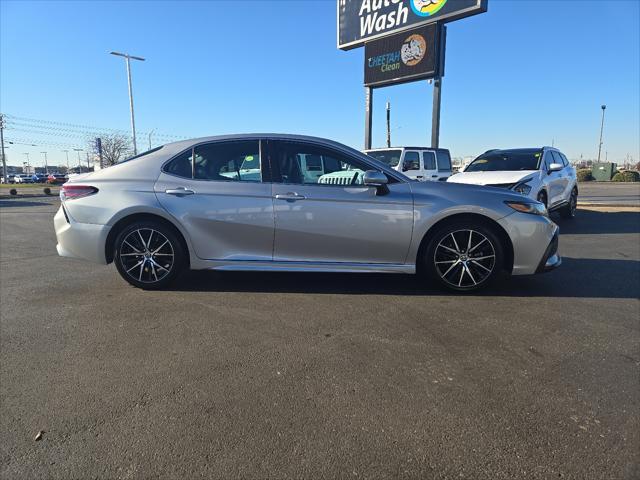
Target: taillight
(69, 192)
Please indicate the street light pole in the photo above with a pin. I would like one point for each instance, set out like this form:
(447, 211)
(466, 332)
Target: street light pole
(128, 57)
(28, 165)
(67, 153)
(4, 160)
(79, 161)
(604, 107)
(46, 166)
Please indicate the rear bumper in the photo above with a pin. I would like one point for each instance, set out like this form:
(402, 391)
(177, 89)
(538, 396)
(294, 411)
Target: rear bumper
(85, 241)
(550, 260)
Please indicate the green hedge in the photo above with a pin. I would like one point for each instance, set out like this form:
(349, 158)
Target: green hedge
(584, 175)
(627, 176)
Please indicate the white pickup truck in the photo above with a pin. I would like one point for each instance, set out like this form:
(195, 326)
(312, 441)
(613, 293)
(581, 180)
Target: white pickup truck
(420, 163)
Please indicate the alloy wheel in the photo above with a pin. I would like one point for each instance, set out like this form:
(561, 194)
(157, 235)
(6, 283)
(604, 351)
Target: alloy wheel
(464, 258)
(146, 255)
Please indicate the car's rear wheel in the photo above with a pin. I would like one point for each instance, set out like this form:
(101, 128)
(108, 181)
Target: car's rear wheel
(149, 255)
(569, 211)
(464, 256)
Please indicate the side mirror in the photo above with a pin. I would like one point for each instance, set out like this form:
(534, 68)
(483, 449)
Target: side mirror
(555, 167)
(374, 178)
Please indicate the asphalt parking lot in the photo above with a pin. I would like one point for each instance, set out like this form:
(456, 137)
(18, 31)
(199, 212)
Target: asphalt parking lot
(319, 375)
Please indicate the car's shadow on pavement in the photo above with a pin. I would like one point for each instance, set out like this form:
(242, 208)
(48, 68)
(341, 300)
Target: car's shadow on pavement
(591, 221)
(591, 278)
(23, 203)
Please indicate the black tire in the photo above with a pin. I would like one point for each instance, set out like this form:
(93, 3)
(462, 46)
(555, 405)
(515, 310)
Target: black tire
(149, 255)
(569, 211)
(467, 274)
(542, 197)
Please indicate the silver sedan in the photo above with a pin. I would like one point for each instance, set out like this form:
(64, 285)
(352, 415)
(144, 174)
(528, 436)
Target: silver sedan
(295, 203)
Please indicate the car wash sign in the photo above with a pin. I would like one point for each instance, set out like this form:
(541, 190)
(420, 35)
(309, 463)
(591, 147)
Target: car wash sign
(360, 21)
(403, 57)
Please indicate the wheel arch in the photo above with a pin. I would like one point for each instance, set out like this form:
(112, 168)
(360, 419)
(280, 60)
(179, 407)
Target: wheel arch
(124, 222)
(488, 222)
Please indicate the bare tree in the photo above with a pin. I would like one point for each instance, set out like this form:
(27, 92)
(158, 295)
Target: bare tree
(115, 148)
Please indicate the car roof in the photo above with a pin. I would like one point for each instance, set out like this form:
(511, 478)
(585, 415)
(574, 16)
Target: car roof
(251, 136)
(407, 148)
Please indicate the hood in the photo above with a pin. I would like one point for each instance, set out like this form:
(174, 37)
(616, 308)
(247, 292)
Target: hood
(465, 194)
(492, 178)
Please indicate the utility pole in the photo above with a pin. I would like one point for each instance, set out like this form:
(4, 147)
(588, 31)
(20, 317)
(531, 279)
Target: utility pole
(4, 160)
(67, 153)
(604, 107)
(388, 124)
(46, 166)
(79, 164)
(133, 122)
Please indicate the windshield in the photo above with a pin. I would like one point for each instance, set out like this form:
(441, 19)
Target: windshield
(506, 160)
(390, 158)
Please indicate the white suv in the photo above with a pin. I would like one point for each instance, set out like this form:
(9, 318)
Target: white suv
(419, 163)
(543, 174)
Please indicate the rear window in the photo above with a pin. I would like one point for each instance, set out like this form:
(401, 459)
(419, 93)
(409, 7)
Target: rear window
(141, 154)
(444, 160)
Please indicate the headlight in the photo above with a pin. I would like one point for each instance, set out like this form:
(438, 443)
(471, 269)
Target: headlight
(534, 208)
(522, 188)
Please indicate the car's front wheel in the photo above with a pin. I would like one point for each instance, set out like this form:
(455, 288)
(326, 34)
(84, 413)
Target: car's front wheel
(464, 256)
(149, 255)
(569, 210)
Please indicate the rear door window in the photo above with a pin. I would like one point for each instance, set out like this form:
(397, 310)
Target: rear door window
(411, 161)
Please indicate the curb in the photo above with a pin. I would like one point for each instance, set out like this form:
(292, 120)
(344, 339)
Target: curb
(616, 205)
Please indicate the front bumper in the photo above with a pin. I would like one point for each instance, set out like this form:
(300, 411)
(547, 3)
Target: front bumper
(85, 241)
(531, 237)
(550, 260)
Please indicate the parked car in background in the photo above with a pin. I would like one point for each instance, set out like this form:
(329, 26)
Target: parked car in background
(57, 178)
(39, 178)
(542, 174)
(9, 179)
(22, 178)
(418, 163)
(257, 202)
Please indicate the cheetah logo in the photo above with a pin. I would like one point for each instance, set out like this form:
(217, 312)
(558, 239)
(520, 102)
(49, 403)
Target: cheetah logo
(413, 50)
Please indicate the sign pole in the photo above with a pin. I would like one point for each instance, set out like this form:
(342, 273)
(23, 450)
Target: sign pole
(437, 90)
(368, 116)
(435, 115)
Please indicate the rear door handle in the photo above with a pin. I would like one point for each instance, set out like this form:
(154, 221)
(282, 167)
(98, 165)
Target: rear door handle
(434, 176)
(179, 192)
(290, 196)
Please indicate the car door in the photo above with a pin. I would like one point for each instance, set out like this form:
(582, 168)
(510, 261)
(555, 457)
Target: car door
(559, 180)
(412, 166)
(336, 219)
(430, 166)
(216, 191)
(551, 179)
(568, 177)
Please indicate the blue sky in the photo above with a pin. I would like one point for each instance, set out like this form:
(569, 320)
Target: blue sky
(525, 73)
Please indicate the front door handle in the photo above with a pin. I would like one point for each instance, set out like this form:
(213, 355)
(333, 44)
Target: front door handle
(179, 192)
(290, 196)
